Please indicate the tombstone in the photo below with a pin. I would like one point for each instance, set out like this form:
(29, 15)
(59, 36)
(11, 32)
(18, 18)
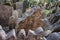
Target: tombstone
(5, 13)
(54, 36)
(32, 20)
(2, 34)
(11, 35)
(31, 35)
(21, 35)
(39, 32)
(19, 7)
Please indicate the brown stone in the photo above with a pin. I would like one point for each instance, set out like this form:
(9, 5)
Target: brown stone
(31, 22)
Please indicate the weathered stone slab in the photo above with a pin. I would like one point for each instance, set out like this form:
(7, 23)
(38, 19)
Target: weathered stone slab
(32, 21)
(5, 13)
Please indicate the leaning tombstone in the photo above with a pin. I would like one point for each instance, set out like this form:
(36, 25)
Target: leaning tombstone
(31, 35)
(2, 34)
(11, 35)
(5, 13)
(21, 35)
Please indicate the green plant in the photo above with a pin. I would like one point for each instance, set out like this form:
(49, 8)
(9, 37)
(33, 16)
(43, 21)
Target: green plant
(25, 5)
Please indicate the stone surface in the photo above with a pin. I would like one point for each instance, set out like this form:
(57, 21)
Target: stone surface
(19, 5)
(54, 36)
(32, 21)
(11, 35)
(5, 13)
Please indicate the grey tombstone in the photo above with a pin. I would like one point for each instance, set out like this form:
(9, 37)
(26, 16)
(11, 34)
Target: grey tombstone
(5, 13)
